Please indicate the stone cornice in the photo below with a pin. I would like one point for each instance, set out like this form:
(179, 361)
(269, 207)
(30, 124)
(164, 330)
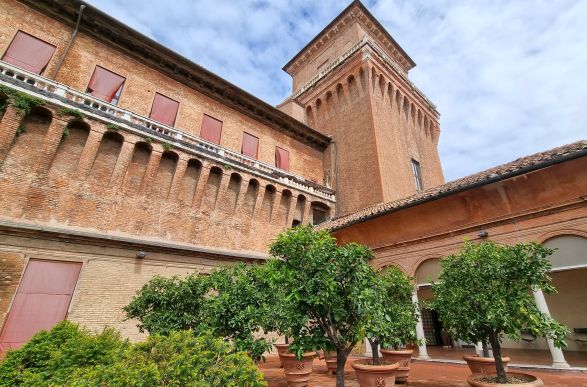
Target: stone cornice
(355, 11)
(113, 33)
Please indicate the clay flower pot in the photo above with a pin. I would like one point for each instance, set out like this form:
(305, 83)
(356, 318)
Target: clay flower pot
(403, 357)
(369, 375)
(529, 380)
(297, 372)
(330, 359)
(484, 365)
(281, 349)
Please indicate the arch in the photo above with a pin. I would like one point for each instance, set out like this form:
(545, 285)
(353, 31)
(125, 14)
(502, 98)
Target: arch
(284, 205)
(319, 108)
(161, 183)
(426, 269)
(419, 120)
(320, 212)
(382, 84)
(406, 107)
(135, 173)
(340, 93)
(353, 88)
(398, 99)
(309, 115)
(362, 78)
(298, 217)
(570, 251)
(328, 100)
(268, 202)
(413, 113)
(385, 265)
(69, 151)
(232, 192)
(251, 197)
(373, 79)
(106, 157)
(28, 140)
(190, 180)
(212, 189)
(390, 94)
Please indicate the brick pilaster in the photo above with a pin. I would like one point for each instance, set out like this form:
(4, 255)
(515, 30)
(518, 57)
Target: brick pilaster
(8, 127)
(122, 164)
(180, 169)
(89, 154)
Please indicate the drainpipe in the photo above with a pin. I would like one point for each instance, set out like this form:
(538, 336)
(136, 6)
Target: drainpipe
(337, 205)
(60, 63)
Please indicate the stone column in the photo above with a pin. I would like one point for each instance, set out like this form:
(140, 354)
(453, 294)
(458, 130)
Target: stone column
(558, 358)
(422, 351)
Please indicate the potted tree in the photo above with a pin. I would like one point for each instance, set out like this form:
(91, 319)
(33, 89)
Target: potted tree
(325, 284)
(484, 293)
(396, 327)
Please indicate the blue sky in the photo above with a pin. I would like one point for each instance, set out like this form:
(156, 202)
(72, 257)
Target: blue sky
(509, 77)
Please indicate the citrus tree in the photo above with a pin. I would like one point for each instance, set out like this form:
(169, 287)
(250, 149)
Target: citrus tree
(391, 315)
(326, 287)
(484, 293)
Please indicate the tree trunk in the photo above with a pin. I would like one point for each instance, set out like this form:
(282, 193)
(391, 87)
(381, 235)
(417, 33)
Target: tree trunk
(286, 339)
(485, 348)
(341, 356)
(496, 346)
(375, 351)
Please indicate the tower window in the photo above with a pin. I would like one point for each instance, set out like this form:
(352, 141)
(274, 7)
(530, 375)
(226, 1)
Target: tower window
(417, 175)
(106, 85)
(29, 53)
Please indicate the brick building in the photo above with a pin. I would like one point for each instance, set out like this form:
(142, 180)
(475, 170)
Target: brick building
(139, 162)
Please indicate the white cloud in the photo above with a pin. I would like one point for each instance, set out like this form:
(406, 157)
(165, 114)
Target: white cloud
(509, 78)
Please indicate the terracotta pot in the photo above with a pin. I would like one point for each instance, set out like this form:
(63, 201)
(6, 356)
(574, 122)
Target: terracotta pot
(330, 359)
(369, 375)
(484, 365)
(281, 348)
(403, 357)
(534, 382)
(297, 372)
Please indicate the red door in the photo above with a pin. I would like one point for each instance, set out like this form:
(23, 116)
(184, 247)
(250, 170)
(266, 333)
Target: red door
(41, 301)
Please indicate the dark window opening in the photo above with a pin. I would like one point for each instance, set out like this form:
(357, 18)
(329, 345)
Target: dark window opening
(319, 215)
(417, 175)
(295, 223)
(106, 85)
(29, 53)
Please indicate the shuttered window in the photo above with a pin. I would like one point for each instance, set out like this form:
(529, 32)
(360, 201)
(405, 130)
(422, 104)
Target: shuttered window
(29, 53)
(106, 85)
(250, 145)
(164, 110)
(211, 129)
(417, 175)
(281, 158)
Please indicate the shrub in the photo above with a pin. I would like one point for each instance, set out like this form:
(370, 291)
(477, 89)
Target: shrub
(70, 356)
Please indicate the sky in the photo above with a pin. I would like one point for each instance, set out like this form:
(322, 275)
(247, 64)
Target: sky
(509, 78)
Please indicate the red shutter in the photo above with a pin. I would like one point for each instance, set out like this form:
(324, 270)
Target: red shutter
(211, 129)
(29, 53)
(104, 84)
(250, 145)
(281, 158)
(42, 300)
(164, 110)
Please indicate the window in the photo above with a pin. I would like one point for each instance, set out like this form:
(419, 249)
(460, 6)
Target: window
(250, 145)
(211, 129)
(319, 215)
(164, 109)
(417, 175)
(281, 158)
(29, 53)
(106, 85)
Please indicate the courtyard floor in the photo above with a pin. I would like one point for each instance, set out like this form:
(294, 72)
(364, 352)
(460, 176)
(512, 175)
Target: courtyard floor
(422, 374)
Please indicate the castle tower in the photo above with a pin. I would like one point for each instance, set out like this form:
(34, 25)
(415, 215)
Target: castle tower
(351, 82)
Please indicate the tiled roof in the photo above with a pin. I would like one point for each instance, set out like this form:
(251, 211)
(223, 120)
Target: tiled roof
(501, 172)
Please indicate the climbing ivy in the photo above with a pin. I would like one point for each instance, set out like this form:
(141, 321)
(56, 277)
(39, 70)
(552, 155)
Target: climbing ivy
(72, 113)
(19, 100)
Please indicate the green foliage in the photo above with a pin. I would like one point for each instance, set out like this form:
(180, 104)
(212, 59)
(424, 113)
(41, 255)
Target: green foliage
(484, 293)
(164, 304)
(72, 113)
(113, 127)
(391, 314)
(69, 356)
(327, 290)
(65, 133)
(20, 130)
(19, 100)
(166, 146)
(148, 140)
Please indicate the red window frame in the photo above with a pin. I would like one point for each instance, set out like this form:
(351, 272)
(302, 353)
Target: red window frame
(282, 158)
(250, 142)
(211, 129)
(106, 85)
(29, 52)
(164, 109)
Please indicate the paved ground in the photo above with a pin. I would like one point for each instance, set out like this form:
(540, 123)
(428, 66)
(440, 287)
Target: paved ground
(422, 374)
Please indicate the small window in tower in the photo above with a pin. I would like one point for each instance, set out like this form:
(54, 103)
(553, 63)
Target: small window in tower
(164, 109)
(281, 158)
(106, 85)
(211, 129)
(28, 53)
(417, 175)
(250, 145)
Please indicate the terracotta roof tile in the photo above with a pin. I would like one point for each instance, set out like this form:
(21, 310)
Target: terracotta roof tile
(504, 171)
